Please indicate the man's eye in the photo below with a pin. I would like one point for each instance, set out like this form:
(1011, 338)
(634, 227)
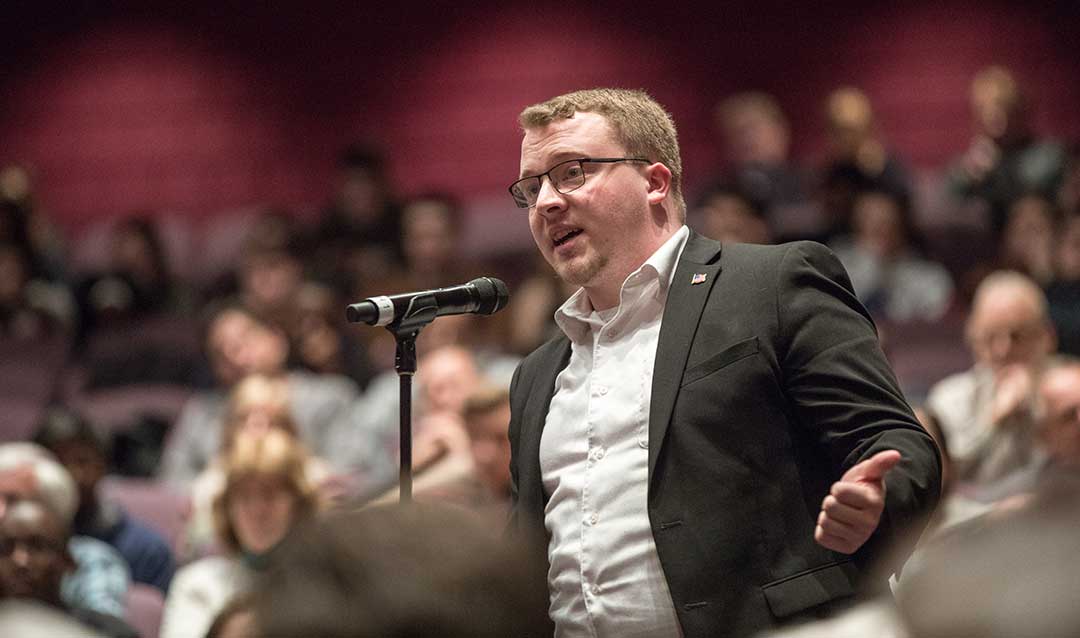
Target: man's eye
(573, 172)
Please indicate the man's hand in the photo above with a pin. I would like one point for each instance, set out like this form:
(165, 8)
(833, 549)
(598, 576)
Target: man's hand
(852, 510)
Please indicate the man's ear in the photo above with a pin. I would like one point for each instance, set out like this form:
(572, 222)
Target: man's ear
(659, 177)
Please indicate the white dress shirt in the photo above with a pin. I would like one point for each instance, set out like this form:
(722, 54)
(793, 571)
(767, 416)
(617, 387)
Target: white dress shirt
(605, 577)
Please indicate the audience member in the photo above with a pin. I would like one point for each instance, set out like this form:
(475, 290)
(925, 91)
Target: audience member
(270, 271)
(1027, 243)
(266, 494)
(257, 405)
(757, 139)
(432, 230)
(322, 343)
(238, 343)
(1005, 160)
(30, 309)
(137, 281)
(1063, 293)
(399, 572)
(34, 558)
(859, 160)
(881, 256)
(22, 222)
(727, 214)
(486, 415)
(985, 412)
(358, 238)
(101, 578)
(83, 453)
(445, 379)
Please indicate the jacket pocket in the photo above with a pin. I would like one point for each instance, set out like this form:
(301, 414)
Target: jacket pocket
(727, 356)
(810, 588)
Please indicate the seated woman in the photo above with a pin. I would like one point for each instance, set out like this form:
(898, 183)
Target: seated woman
(257, 405)
(266, 494)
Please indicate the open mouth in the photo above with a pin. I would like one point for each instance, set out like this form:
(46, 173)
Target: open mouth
(567, 236)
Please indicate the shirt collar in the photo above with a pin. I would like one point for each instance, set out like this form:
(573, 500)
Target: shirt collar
(576, 314)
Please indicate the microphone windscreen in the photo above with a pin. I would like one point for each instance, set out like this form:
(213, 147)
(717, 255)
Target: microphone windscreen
(493, 293)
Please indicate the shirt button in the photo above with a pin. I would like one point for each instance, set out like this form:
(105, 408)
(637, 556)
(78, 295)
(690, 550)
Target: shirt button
(599, 453)
(594, 518)
(602, 390)
(643, 443)
(596, 590)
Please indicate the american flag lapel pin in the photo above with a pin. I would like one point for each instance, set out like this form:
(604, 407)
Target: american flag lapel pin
(698, 278)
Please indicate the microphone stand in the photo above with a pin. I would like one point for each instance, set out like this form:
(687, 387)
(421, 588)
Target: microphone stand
(422, 310)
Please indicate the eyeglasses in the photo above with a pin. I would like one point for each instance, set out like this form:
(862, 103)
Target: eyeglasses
(34, 545)
(565, 177)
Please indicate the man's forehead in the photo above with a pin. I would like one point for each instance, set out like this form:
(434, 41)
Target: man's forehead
(583, 134)
(30, 517)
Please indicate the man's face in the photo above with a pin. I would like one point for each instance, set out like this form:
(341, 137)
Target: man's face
(240, 346)
(1006, 328)
(598, 234)
(1060, 428)
(491, 448)
(33, 553)
(85, 464)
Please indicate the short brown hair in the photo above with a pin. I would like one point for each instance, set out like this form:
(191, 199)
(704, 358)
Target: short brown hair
(487, 398)
(273, 455)
(639, 122)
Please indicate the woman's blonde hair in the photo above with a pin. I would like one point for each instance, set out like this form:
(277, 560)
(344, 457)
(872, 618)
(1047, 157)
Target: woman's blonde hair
(273, 456)
(258, 391)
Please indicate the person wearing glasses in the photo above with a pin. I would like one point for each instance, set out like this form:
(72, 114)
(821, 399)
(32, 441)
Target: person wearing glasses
(715, 444)
(34, 558)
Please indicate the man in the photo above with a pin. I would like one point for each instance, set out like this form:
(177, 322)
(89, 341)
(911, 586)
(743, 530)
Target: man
(1005, 159)
(100, 578)
(985, 412)
(84, 455)
(34, 558)
(705, 447)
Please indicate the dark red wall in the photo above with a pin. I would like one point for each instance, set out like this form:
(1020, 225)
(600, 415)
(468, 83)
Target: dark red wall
(206, 108)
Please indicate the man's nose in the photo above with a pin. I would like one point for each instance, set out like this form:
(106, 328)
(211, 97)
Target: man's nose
(20, 556)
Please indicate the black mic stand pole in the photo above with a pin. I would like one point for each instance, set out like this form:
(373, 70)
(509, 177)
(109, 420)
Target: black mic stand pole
(422, 311)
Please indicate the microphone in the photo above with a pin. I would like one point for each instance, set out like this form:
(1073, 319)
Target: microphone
(481, 296)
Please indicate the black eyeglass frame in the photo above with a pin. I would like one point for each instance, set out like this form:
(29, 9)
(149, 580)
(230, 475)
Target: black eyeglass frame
(523, 203)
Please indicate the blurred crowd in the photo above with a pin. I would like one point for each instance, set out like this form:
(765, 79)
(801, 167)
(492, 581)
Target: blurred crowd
(181, 399)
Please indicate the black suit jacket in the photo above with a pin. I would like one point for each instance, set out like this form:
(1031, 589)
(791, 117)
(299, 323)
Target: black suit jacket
(768, 385)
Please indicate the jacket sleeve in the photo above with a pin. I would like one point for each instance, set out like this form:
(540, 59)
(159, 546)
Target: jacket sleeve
(842, 387)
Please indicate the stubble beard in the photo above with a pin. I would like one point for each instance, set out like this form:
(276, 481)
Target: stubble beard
(581, 270)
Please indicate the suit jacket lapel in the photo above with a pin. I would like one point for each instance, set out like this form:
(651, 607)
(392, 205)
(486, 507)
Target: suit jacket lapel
(685, 303)
(534, 418)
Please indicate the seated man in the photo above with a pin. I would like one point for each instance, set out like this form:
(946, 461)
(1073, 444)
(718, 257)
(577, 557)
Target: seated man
(100, 579)
(83, 453)
(985, 412)
(34, 557)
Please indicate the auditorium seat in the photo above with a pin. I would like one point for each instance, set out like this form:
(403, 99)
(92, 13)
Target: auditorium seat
(144, 606)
